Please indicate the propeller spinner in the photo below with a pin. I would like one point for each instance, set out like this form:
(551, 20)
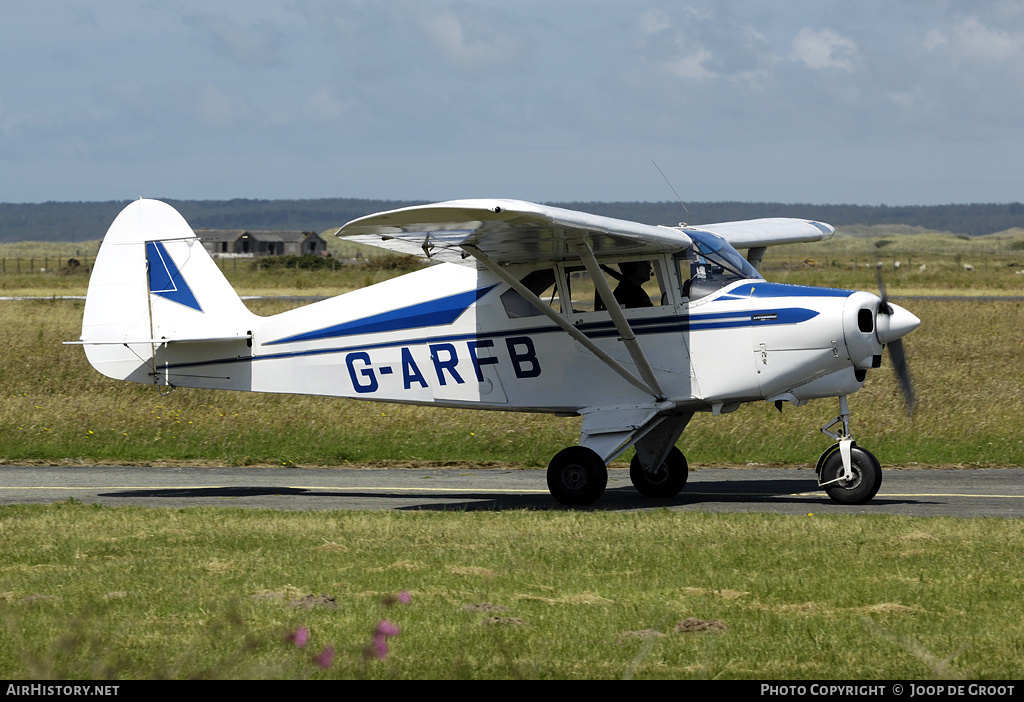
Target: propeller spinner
(892, 323)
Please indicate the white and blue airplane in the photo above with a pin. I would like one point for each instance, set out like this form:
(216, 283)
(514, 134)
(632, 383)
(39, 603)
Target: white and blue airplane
(530, 308)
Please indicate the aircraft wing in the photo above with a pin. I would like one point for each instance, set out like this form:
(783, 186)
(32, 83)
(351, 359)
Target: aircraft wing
(754, 233)
(506, 231)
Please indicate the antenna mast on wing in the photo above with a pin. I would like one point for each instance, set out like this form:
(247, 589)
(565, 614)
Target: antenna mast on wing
(682, 224)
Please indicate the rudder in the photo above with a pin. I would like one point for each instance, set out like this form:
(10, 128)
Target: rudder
(153, 285)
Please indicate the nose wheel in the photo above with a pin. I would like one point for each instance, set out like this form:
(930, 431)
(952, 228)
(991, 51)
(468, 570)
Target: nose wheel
(849, 474)
(857, 486)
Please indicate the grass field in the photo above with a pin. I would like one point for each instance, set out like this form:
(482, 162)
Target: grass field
(95, 593)
(100, 593)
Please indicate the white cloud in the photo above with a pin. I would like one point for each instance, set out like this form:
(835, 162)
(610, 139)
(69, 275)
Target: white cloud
(914, 103)
(824, 49)
(469, 46)
(650, 22)
(256, 45)
(324, 107)
(935, 39)
(972, 39)
(711, 45)
(691, 67)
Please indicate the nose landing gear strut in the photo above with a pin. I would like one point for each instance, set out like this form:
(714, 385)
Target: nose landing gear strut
(848, 473)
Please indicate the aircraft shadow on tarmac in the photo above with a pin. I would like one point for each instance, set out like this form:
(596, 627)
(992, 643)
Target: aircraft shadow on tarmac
(762, 492)
(767, 492)
(465, 501)
(221, 492)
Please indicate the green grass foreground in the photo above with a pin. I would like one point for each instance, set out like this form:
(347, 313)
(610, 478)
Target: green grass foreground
(126, 593)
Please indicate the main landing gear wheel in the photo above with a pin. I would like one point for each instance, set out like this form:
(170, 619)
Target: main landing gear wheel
(861, 487)
(577, 476)
(666, 480)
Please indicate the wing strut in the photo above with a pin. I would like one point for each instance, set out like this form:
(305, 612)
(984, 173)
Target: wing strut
(561, 321)
(626, 335)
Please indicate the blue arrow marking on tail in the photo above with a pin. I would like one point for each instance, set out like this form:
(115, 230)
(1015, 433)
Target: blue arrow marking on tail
(165, 279)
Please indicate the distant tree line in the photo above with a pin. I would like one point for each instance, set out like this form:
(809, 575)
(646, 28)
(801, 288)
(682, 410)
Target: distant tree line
(87, 221)
(974, 219)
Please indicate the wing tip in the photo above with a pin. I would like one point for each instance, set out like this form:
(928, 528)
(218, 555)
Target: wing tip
(827, 230)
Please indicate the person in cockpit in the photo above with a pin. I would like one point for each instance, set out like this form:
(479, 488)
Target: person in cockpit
(629, 292)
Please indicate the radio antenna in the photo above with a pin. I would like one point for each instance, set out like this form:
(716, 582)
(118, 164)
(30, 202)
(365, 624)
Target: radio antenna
(669, 183)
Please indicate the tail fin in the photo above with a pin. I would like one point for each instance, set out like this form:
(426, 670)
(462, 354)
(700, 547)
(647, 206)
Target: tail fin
(155, 285)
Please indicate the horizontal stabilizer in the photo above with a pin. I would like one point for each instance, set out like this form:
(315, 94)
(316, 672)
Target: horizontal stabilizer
(177, 340)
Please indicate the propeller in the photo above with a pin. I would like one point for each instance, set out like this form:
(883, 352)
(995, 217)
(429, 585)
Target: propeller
(892, 323)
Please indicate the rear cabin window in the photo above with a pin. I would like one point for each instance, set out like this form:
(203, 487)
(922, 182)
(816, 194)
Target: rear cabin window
(542, 284)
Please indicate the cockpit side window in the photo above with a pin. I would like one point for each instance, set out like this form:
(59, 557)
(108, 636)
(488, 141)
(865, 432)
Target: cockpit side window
(635, 284)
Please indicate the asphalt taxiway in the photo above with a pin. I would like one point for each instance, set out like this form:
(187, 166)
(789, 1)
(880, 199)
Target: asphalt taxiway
(994, 492)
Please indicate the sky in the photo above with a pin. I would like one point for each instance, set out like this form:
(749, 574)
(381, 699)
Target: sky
(895, 102)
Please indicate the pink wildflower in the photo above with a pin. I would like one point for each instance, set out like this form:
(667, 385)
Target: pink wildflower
(386, 628)
(378, 648)
(299, 637)
(325, 658)
(403, 597)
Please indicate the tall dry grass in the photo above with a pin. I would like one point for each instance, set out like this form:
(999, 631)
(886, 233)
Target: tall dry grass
(964, 358)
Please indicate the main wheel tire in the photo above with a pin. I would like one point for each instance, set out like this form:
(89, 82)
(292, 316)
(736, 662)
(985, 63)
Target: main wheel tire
(664, 481)
(577, 476)
(867, 476)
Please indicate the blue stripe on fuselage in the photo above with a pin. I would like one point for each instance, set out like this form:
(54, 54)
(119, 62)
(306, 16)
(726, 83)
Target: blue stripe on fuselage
(435, 313)
(704, 322)
(647, 326)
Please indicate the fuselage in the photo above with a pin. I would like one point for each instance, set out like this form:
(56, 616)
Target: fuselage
(453, 335)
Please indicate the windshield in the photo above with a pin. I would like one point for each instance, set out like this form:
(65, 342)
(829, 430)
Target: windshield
(717, 251)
